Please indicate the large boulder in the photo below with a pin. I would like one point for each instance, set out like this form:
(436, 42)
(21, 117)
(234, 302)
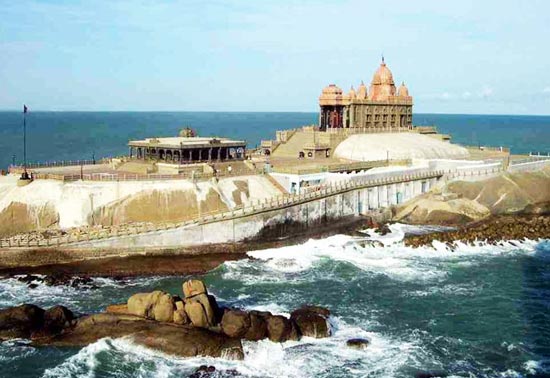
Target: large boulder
(193, 287)
(281, 329)
(235, 323)
(197, 315)
(312, 321)
(21, 321)
(57, 318)
(156, 305)
(258, 326)
(180, 316)
(179, 340)
(209, 308)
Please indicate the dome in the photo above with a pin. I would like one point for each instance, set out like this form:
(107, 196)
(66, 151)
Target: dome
(332, 95)
(403, 91)
(362, 92)
(383, 75)
(352, 93)
(332, 89)
(372, 147)
(382, 85)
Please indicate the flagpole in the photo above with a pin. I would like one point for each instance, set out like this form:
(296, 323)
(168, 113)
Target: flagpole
(24, 175)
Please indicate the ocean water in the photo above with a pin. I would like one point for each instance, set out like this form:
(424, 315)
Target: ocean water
(81, 135)
(477, 311)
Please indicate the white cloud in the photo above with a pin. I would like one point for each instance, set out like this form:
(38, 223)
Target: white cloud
(486, 92)
(466, 95)
(446, 96)
(546, 90)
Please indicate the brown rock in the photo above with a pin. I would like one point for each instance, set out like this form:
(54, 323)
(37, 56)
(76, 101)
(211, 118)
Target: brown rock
(180, 317)
(117, 309)
(258, 326)
(193, 287)
(179, 340)
(358, 343)
(312, 321)
(235, 323)
(205, 302)
(281, 329)
(21, 321)
(196, 314)
(156, 305)
(57, 318)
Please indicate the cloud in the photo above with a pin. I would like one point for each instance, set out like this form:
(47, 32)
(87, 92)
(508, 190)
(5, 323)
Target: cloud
(446, 96)
(466, 95)
(546, 90)
(486, 92)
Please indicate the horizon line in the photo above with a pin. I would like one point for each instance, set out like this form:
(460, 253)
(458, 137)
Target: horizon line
(252, 111)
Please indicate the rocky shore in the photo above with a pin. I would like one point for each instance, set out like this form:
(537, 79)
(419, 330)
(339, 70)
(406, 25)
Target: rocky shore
(194, 325)
(491, 230)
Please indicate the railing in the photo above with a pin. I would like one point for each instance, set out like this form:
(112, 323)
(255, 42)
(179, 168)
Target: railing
(60, 163)
(268, 204)
(341, 167)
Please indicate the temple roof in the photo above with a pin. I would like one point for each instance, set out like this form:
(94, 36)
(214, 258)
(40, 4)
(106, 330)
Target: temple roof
(187, 142)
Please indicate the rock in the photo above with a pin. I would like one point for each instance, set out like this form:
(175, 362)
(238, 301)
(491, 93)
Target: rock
(281, 329)
(235, 323)
(57, 318)
(258, 326)
(205, 302)
(193, 287)
(179, 340)
(180, 317)
(117, 309)
(29, 278)
(312, 321)
(358, 343)
(156, 305)
(216, 310)
(21, 321)
(196, 314)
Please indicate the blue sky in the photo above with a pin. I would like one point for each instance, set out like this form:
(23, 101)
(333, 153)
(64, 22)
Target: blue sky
(488, 57)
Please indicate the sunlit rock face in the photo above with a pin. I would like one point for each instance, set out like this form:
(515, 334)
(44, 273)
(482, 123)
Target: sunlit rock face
(371, 147)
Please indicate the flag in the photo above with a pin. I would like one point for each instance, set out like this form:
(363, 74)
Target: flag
(24, 108)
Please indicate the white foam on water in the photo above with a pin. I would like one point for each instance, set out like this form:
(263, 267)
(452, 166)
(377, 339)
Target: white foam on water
(308, 357)
(14, 292)
(394, 259)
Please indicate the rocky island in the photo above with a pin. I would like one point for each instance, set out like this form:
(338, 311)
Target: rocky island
(190, 326)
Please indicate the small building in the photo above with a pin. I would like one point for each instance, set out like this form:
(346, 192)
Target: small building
(187, 149)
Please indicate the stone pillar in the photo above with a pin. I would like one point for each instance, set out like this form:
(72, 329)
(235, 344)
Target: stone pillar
(130, 148)
(210, 154)
(190, 155)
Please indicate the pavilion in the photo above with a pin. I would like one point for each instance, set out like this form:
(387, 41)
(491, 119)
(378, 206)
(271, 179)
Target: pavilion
(186, 150)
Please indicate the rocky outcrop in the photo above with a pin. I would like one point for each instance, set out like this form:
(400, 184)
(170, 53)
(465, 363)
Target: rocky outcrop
(19, 217)
(192, 326)
(462, 202)
(281, 329)
(312, 321)
(157, 306)
(179, 340)
(438, 209)
(491, 230)
(30, 321)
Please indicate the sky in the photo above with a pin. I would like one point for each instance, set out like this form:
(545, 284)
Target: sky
(469, 57)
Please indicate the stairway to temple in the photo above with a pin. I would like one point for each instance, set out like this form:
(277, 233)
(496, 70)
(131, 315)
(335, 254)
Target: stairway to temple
(295, 144)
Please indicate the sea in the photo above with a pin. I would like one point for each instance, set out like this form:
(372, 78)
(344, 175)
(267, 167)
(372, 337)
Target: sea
(468, 311)
(56, 136)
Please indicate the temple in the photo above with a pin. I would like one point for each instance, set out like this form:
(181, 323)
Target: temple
(186, 149)
(383, 107)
